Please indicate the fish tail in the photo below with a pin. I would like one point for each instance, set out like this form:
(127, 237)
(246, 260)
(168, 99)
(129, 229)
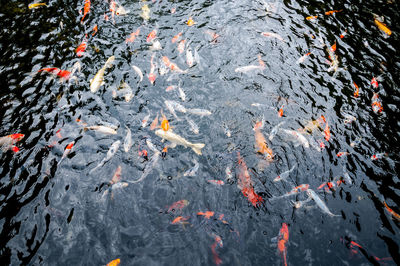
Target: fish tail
(196, 147)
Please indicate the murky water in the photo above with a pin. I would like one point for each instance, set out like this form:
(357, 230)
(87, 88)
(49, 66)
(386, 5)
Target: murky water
(65, 211)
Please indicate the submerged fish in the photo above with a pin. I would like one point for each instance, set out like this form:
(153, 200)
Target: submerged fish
(171, 65)
(36, 5)
(192, 171)
(274, 130)
(273, 35)
(311, 193)
(128, 140)
(200, 112)
(261, 144)
(382, 26)
(285, 174)
(294, 191)
(138, 71)
(245, 184)
(178, 205)
(103, 129)
(298, 137)
(110, 153)
(189, 57)
(193, 126)
(98, 79)
(245, 69)
(174, 138)
(182, 94)
(149, 167)
(8, 141)
(176, 106)
(145, 12)
(283, 238)
(133, 36)
(67, 151)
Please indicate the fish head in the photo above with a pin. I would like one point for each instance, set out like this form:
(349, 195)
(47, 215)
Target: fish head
(17, 137)
(121, 11)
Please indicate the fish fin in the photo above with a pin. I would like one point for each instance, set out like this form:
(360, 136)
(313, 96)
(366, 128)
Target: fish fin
(172, 145)
(196, 147)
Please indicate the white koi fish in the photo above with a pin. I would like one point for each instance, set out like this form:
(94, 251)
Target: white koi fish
(111, 152)
(189, 57)
(151, 145)
(103, 129)
(148, 168)
(193, 126)
(171, 109)
(156, 46)
(245, 69)
(274, 130)
(98, 79)
(284, 175)
(128, 140)
(182, 94)
(192, 171)
(138, 71)
(311, 193)
(200, 112)
(178, 140)
(273, 35)
(145, 120)
(298, 136)
(176, 106)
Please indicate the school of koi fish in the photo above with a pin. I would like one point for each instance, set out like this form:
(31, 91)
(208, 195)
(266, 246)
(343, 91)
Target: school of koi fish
(168, 130)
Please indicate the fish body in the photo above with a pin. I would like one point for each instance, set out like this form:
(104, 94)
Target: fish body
(193, 126)
(154, 124)
(151, 145)
(133, 36)
(80, 50)
(303, 58)
(177, 106)
(192, 171)
(189, 57)
(145, 120)
(272, 35)
(382, 26)
(8, 141)
(283, 238)
(36, 5)
(171, 109)
(261, 144)
(357, 91)
(117, 175)
(190, 22)
(180, 220)
(349, 118)
(376, 104)
(156, 46)
(295, 191)
(181, 46)
(182, 94)
(245, 184)
(152, 35)
(174, 138)
(128, 140)
(67, 150)
(393, 213)
(327, 132)
(110, 153)
(179, 205)
(284, 175)
(206, 214)
(245, 69)
(200, 112)
(62, 74)
(216, 182)
(121, 11)
(145, 12)
(298, 136)
(172, 65)
(148, 168)
(103, 129)
(378, 156)
(311, 193)
(176, 37)
(139, 72)
(98, 79)
(115, 262)
(86, 9)
(274, 130)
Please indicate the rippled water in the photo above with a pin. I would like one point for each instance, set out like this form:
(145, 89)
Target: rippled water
(58, 212)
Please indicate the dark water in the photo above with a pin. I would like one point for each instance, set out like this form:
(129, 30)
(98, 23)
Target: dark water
(56, 213)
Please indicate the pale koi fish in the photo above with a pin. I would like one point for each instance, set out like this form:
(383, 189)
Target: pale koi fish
(145, 120)
(284, 175)
(139, 72)
(154, 124)
(171, 109)
(274, 130)
(171, 65)
(182, 94)
(177, 106)
(151, 145)
(311, 193)
(178, 140)
(200, 112)
(103, 129)
(216, 182)
(303, 58)
(192, 171)
(128, 140)
(179, 205)
(294, 191)
(298, 137)
(272, 35)
(156, 46)
(181, 46)
(189, 57)
(98, 79)
(110, 153)
(148, 168)
(193, 126)
(152, 75)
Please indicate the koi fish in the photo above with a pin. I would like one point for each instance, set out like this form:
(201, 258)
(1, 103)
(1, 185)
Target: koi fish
(376, 104)
(113, 7)
(343, 34)
(327, 132)
(284, 175)
(181, 46)
(311, 193)
(98, 79)
(152, 75)
(357, 92)
(303, 58)
(171, 88)
(207, 214)
(180, 220)
(192, 171)
(152, 35)
(272, 35)
(62, 74)
(171, 65)
(189, 57)
(216, 182)
(86, 9)
(190, 22)
(121, 11)
(179, 205)
(295, 191)
(115, 262)
(154, 124)
(156, 46)
(200, 112)
(148, 168)
(382, 26)
(171, 109)
(218, 241)
(331, 12)
(151, 145)
(378, 156)
(280, 113)
(178, 140)
(133, 36)
(80, 50)
(261, 144)
(165, 124)
(145, 12)
(193, 126)
(245, 69)
(274, 130)
(67, 151)
(176, 106)
(95, 29)
(127, 90)
(103, 129)
(374, 83)
(8, 141)
(311, 17)
(182, 94)
(298, 136)
(143, 153)
(393, 213)
(110, 153)
(36, 5)
(117, 175)
(342, 153)
(145, 120)
(128, 140)
(349, 118)
(245, 184)
(283, 238)
(228, 173)
(139, 72)
(176, 37)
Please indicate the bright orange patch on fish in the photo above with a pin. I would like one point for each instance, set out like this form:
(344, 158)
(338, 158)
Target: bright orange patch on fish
(80, 50)
(133, 36)
(332, 12)
(190, 22)
(280, 113)
(311, 17)
(283, 238)
(165, 124)
(95, 28)
(374, 83)
(333, 48)
(383, 27)
(327, 132)
(176, 37)
(86, 9)
(207, 214)
(63, 74)
(342, 153)
(261, 144)
(152, 35)
(357, 92)
(179, 219)
(15, 149)
(152, 77)
(114, 262)
(16, 137)
(178, 205)
(393, 213)
(343, 34)
(376, 103)
(70, 145)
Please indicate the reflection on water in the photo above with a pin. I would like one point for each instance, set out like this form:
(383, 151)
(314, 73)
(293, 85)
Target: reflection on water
(279, 120)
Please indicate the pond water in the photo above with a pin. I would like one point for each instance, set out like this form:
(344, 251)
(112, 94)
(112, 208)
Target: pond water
(294, 101)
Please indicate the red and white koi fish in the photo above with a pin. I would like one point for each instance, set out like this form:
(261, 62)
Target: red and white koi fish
(374, 83)
(152, 35)
(67, 151)
(357, 91)
(176, 37)
(80, 50)
(133, 36)
(273, 35)
(152, 75)
(283, 239)
(171, 65)
(378, 156)
(62, 74)
(178, 205)
(86, 9)
(245, 184)
(342, 153)
(181, 46)
(303, 58)
(327, 132)
(8, 142)
(295, 191)
(376, 104)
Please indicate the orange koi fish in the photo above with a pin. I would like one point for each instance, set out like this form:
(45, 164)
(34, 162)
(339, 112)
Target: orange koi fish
(216, 182)
(376, 104)
(394, 214)
(342, 153)
(357, 92)
(383, 27)
(165, 124)
(86, 9)
(95, 28)
(280, 113)
(311, 17)
(327, 132)
(245, 184)
(333, 47)
(190, 22)
(261, 144)
(176, 37)
(171, 65)
(178, 205)
(62, 74)
(332, 12)
(152, 35)
(283, 238)
(115, 262)
(181, 46)
(218, 241)
(374, 83)
(180, 220)
(207, 214)
(154, 124)
(133, 36)
(80, 50)
(117, 175)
